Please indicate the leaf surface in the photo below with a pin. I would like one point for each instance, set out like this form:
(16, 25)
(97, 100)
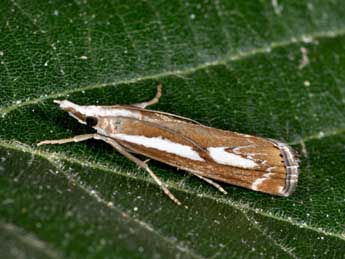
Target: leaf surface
(269, 68)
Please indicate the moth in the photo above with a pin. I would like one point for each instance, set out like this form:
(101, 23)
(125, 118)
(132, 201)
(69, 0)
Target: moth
(256, 163)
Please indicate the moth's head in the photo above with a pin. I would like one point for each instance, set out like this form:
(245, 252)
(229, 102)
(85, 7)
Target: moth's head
(84, 114)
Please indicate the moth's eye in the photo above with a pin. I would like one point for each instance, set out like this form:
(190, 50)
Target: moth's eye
(91, 121)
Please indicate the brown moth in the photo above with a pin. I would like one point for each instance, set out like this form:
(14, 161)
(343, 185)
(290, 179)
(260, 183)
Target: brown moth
(259, 164)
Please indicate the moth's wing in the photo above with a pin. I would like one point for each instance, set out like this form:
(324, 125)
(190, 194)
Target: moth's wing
(276, 169)
(247, 161)
(158, 115)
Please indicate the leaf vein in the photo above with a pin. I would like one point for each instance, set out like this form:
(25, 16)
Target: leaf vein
(180, 72)
(30, 239)
(237, 205)
(52, 157)
(319, 135)
(265, 233)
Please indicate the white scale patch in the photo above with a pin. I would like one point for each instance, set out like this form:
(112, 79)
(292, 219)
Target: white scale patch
(92, 110)
(161, 144)
(221, 156)
(259, 181)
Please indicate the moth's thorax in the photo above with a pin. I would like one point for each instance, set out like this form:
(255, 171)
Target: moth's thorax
(122, 120)
(109, 125)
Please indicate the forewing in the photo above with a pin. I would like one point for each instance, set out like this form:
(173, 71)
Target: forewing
(255, 163)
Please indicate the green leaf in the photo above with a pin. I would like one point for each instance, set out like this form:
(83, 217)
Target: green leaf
(270, 68)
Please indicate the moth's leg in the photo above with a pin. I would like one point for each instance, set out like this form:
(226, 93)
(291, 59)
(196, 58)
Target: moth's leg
(121, 150)
(152, 101)
(147, 160)
(67, 140)
(220, 188)
(141, 164)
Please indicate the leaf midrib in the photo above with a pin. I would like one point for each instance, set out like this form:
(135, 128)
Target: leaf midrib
(18, 146)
